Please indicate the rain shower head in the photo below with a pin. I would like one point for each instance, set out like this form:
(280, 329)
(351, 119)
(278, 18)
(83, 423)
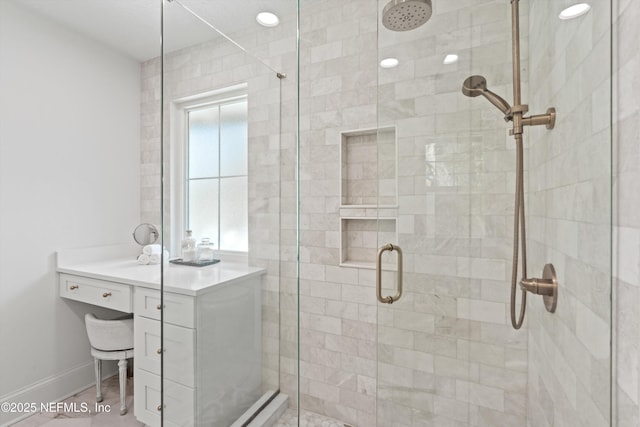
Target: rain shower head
(405, 15)
(477, 85)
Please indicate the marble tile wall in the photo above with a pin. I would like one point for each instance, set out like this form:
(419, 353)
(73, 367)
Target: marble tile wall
(447, 339)
(626, 220)
(369, 168)
(338, 70)
(569, 211)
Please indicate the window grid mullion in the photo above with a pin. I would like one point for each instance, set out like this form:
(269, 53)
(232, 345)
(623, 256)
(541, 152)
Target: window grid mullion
(217, 177)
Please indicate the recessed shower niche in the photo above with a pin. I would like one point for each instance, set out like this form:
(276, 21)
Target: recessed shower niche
(368, 172)
(368, 194)
(360, 238)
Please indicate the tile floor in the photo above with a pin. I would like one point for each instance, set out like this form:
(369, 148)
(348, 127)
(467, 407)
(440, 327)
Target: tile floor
(111, 394)
(112, 418)
(307, 419)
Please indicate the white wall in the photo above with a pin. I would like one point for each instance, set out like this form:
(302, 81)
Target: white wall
(69, 177)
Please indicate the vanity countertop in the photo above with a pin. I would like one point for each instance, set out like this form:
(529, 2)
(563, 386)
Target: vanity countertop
(118, 263)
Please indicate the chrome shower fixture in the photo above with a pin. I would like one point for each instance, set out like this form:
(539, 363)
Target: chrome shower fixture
(547, 286)
(405, 15)
(477, 85)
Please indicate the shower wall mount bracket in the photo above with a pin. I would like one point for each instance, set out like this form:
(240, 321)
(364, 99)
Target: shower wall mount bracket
(548, 120)
(547, 287)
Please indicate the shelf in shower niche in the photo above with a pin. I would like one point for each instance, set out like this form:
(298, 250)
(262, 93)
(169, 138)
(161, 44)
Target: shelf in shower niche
(359, 239)
(368, 211)
(368, 167)
(196, 263)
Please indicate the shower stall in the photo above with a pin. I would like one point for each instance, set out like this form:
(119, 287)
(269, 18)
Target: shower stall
(401, 156)
(377, 200)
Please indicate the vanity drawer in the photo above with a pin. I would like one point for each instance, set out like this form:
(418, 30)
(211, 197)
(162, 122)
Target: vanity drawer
(179, 344)
(179, 401)
(115, 296)
(178, 309)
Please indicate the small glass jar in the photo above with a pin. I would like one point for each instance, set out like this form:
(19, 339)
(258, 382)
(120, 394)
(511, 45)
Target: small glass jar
(188, 247)
(205, 249)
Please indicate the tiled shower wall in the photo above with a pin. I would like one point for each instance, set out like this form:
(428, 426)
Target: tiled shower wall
(569, 207)
(444, 354)
(337, 317)
(626, 218)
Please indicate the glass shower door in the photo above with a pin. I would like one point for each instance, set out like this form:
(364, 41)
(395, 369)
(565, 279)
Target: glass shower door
(223, 140)
(426, 337)
(447, 354)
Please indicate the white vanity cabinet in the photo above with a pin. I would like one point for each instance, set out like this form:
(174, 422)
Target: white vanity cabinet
(115, 296)
(212, 333)
(179, 358)
(212, 354)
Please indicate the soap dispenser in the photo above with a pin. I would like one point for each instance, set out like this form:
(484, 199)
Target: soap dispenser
(188, 247)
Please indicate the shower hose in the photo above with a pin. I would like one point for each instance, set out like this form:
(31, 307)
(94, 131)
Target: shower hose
(518, 225)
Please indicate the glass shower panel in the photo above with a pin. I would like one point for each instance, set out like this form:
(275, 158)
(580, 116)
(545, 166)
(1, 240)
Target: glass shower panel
(230, 182)
(446, 351)
(426, 371)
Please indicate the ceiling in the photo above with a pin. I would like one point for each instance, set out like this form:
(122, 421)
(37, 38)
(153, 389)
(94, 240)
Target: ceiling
(133, 26)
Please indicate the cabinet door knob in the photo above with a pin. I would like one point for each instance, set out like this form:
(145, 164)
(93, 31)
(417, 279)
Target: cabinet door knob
(73, 287)
(159, 351)
(159, 306)
(159, 408)
(106, 295)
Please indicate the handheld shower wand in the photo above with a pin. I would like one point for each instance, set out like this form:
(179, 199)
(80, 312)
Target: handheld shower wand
(477, 85)
(474, 86)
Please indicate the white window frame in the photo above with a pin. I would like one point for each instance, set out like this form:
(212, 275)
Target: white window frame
(178, 147)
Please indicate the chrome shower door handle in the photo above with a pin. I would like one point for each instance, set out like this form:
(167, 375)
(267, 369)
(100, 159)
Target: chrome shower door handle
(396, 297)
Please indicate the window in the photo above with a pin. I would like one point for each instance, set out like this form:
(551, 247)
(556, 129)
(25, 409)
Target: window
(213, 185)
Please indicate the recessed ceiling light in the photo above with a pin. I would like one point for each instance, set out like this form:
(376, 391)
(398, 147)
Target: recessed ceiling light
(574, 11)
(389, 63)
(267, 19)
(450, 59)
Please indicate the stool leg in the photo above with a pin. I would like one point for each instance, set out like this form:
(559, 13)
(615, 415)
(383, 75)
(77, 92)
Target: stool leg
(98, 368)
(122, 364)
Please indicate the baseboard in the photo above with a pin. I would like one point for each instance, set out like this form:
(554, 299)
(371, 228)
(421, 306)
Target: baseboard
(52, 389)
